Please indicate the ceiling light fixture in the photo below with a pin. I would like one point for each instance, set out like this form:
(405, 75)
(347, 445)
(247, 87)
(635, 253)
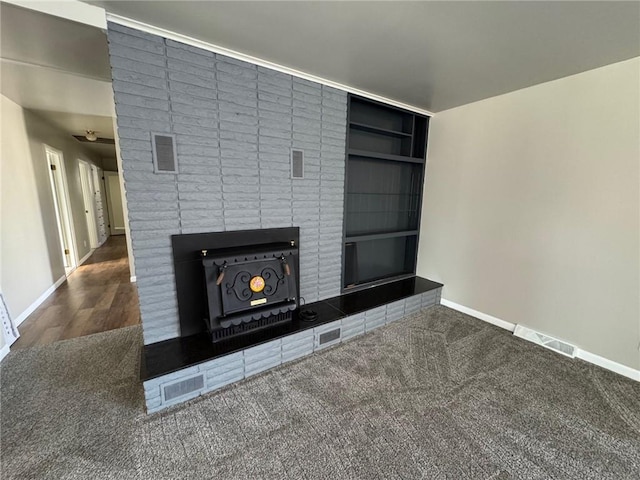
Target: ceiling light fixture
(91, 136)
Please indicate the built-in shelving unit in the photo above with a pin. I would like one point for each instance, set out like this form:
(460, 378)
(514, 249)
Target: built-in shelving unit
(386, 149)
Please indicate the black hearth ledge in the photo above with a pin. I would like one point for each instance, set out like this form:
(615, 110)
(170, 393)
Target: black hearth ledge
(176, 354)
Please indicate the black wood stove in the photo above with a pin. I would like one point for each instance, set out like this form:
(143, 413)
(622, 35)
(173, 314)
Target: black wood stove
(237, 281)
(250, 287)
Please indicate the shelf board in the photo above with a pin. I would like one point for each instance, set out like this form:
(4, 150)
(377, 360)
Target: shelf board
(382, 131)
(393, 212)
(384, 156)
(380, 194)
(380, 236)
(349, 289)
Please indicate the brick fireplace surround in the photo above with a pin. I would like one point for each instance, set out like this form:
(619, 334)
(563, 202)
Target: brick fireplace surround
(235, 124)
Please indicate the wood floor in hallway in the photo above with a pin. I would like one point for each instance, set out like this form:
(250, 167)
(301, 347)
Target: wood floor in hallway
(97, 297)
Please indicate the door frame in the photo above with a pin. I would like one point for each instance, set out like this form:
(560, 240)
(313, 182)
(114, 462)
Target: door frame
(89, 199)
(62, 206)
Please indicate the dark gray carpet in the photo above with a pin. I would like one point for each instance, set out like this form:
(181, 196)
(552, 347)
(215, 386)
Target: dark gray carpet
(439, 395)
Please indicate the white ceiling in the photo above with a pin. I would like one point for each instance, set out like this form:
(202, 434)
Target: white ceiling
(60, 70)
(44, 40)
(44, 88)
(433, 55)
(78, 124)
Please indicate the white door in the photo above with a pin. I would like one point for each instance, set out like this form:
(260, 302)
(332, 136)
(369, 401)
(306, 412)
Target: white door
(88, 197)
(63, 210)
(114, 203)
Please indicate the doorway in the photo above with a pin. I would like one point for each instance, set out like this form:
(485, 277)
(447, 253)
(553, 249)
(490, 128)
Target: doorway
(93, 293)
(61, 204)
(114, 202)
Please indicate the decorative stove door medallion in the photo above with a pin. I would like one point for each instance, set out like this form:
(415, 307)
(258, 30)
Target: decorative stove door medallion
(256, 284)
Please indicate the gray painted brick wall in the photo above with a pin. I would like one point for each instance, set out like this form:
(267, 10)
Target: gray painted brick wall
(297, 345)
(235, 124)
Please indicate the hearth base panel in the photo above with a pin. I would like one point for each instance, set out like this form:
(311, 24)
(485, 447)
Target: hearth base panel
(188, 383)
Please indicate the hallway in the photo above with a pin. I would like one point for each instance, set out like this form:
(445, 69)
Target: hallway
(97, 297)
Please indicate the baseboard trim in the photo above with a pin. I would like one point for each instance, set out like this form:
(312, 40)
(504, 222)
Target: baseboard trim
(4, 351)
(31, 308)
(581, 354)
(482, 316)
(609, 364)
(133, 279)
(86, 257)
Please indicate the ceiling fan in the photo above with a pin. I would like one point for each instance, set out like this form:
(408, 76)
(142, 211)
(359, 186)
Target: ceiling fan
(91, 137)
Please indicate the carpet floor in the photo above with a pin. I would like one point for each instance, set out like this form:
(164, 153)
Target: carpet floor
(436, 395)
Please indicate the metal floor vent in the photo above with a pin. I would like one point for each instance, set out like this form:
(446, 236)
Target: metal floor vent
(329, 336)
(546, 341)
(182, 387)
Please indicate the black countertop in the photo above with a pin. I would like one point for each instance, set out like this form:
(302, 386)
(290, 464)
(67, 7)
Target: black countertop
(176, 354)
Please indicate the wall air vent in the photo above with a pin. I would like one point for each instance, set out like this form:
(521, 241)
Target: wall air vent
(546, 341)
(164, 153)
(297, 164)
(182, 388)
(329, 336)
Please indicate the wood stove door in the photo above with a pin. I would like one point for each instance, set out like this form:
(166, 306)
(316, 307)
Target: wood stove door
(254, 284)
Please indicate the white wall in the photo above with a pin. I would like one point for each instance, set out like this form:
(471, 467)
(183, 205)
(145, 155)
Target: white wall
(110, 164)
(531, 209)
(30, 258)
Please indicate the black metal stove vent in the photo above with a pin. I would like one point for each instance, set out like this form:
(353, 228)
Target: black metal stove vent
(235, 330)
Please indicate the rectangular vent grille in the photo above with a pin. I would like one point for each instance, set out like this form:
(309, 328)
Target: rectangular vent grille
(164, 153)
(297, 164)
(329, 336)
(183, 387)
(546, 341)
